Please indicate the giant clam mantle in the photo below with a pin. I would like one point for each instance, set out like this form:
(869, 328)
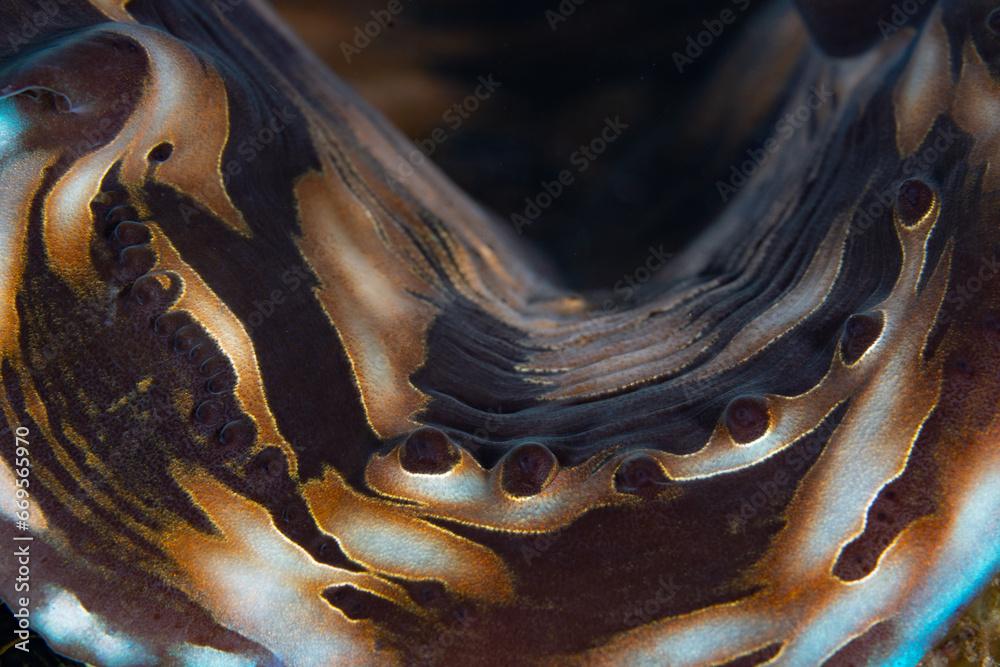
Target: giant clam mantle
(785, 452)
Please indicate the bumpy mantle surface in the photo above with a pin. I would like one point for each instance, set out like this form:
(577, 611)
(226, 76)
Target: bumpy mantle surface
(289, 401)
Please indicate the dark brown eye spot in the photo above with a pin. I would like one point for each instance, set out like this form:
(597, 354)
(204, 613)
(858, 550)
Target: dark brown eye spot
(747, 418)
(209, 413)
(220, 384)
(356, 604)
(129, 233)
(145, 290)
(168, 323)
(913, 201)
(161, 153)
(185, 338)
(349, 600)
(640, 475)
(212, 366)
(134, 261)
(121, 214)
(239, 433)
(860, 333)
(428, 451)
(527, 470)
(154, 289)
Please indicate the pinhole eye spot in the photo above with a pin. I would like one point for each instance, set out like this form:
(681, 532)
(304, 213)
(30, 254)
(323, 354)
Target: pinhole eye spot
(161, 152)
(747, 418)
(527, 469)
(913, 200)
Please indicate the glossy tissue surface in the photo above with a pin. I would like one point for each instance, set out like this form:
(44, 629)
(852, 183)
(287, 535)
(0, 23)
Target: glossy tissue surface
(283, 399)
